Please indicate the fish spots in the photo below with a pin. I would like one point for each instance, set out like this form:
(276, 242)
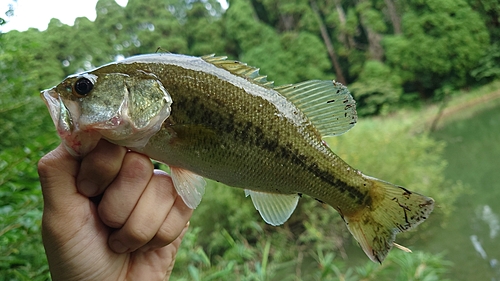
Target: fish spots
(406, 192)
(368, 201)
(375, 254)
(405, 210)
(330, 101)
(342, 214)
(272, 145)
(348, 105)
(426, 204)
(402, 228)
(367, 220)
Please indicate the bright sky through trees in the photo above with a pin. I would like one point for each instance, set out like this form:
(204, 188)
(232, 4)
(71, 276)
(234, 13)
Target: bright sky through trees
(37, 14)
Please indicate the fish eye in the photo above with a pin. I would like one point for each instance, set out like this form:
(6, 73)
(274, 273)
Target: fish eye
(83, 86)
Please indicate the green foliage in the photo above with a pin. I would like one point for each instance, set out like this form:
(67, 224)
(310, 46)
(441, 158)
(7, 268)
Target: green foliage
(288, 57)
(314, 263)
(21, 251)
(377, 89)
(490, 15)
(24, 142)
(27, 133)
(442, 42)
(398, 266)
(371, 17)
(489, 64)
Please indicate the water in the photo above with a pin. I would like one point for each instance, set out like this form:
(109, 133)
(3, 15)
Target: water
(471, 239)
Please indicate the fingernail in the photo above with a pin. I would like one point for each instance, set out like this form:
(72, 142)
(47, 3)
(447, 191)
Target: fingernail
(87, 188)
(118, 247)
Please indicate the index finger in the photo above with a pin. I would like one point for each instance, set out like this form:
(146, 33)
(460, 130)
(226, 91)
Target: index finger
(57, 171)
(99, 168)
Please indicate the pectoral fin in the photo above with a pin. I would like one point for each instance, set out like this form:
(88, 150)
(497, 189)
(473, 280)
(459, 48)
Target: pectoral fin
(274, 208)
(188, 185)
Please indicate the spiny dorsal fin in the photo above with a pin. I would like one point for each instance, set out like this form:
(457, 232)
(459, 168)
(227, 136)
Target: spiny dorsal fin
(239, 68)
(327, 104)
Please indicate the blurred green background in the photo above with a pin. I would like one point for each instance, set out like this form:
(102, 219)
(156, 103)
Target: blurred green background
(425, 75)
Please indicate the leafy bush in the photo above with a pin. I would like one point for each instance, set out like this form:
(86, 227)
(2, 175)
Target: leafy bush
(377, 89)
(489, 64)
(21, 251)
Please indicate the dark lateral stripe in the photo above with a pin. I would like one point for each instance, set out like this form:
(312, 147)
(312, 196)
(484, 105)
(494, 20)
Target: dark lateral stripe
(199, 111)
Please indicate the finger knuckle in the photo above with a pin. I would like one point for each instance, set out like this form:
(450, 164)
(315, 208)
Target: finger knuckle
(44, 166)
(140, 235)
(104, 166)
(48, 163)
(164, 186)
(111, 218)
(136, 166)
(166, 235)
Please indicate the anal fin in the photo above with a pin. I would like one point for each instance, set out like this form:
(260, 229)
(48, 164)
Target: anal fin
(274, 208)
(188, 185)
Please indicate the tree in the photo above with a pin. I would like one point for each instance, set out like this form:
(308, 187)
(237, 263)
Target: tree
(377, 88)
(441, 43)
(109, 26)
(288, 56)
(328, 43)
(27, 132)
(150, 26)
(490, 14)
(489, 64)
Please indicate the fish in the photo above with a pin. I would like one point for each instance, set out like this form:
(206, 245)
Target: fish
(211, 117)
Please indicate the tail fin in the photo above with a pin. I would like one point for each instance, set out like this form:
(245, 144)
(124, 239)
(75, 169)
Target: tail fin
(397, 211)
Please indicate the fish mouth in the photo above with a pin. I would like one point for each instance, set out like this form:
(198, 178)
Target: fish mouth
(53, 103)
(78, 142)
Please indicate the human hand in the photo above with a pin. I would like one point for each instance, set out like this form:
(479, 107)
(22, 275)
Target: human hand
(132, 233)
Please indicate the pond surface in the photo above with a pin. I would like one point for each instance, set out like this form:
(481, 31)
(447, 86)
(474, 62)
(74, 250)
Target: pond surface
(471, 239)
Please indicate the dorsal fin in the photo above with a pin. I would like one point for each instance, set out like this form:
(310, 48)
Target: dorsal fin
(239, 68)
(327, 104)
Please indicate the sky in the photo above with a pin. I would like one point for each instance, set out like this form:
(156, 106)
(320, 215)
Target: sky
(38, 13)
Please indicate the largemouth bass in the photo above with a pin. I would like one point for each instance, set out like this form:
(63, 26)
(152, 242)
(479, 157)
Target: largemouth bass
(220, 119)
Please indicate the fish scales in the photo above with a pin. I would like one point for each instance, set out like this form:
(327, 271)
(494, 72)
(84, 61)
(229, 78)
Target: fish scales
(220, 119)
(285, 146)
